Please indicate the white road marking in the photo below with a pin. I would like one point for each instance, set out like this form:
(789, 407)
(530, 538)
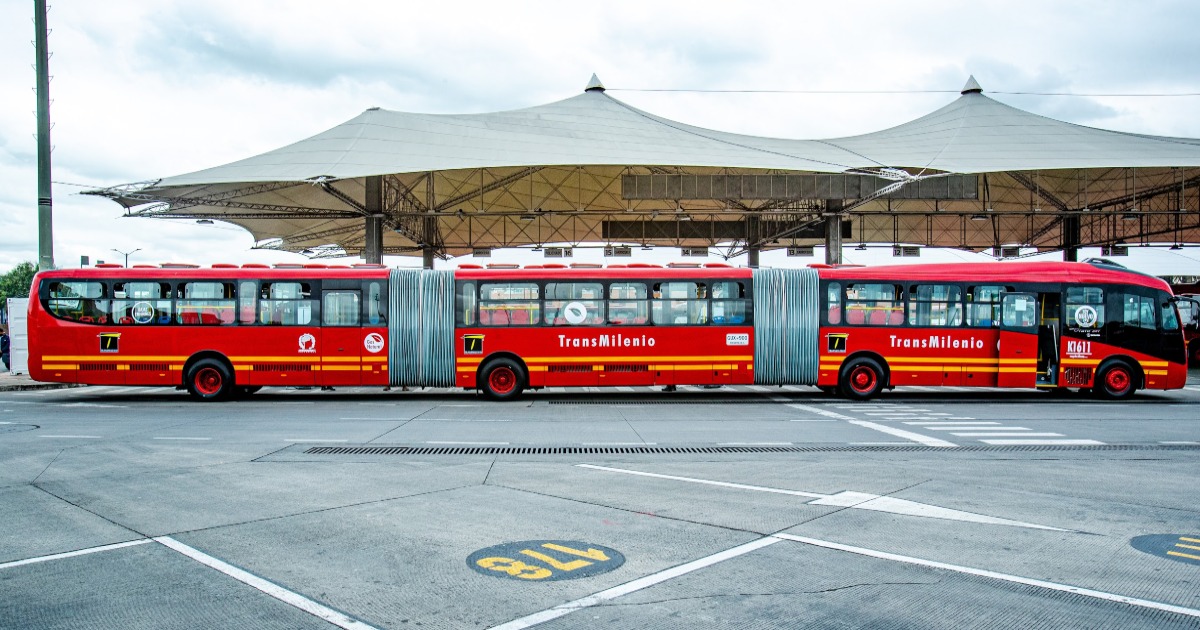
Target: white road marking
(308, 440)
(754, 443)
(892, 413)
(848, 499)
(634, 585)
(820, 412)
(291, 598)
(620, 443)
(1055, 586)
(957, 424)
(72, 554)
(989, 428)
(95, 405)
(1043, 442)
(1184, 443)
(198, 439)
(758, 388)
(1001, 434)
(908, 435)
(623, 388)
(707, 482)
(79, 437)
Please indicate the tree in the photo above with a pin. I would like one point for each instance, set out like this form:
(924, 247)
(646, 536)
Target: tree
(16, 283)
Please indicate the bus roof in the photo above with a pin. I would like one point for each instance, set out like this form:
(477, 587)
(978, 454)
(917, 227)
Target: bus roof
(999, 272)
(640, 272)
(244, 272)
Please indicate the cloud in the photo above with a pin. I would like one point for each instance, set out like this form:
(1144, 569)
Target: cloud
(149, 89)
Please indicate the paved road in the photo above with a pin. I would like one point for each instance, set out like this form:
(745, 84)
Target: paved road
(733, 507)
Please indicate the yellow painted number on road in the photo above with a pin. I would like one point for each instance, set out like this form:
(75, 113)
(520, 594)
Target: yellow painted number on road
(515, 568)
(594, 554)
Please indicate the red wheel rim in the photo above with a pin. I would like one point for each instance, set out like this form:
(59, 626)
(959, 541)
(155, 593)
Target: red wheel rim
(502, 380)
(1117, 380)
(862, 379)
(208, 381)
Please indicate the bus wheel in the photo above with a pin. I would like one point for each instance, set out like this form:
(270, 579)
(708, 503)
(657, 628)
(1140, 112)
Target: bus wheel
(1115, 382)
(209, 379)
(502, 379)
(861, 379)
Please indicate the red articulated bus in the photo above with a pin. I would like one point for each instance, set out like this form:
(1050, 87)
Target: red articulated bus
(230, 330)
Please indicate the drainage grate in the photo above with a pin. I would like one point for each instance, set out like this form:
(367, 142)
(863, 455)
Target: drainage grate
(716, 450)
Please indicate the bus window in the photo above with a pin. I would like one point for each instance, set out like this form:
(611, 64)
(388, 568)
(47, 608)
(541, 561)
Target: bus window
(574, 303)
(206, 303)
(680, 303)
(339, 308)
(875, 304)
(376, 311)
(141, 303)
(285, 304)
(79, 301)
(934, 305)
(728, 302)
(1169, 318)
(983, 305)
(1085, 307)
(834, 298)
(464, 299)
(509, 303)
(247, 302)
(1138, 311)
(627, 303)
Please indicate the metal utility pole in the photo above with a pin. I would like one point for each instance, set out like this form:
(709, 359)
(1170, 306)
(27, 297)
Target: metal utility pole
(45, 203)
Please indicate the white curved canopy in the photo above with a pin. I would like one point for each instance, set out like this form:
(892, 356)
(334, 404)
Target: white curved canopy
(568, 157)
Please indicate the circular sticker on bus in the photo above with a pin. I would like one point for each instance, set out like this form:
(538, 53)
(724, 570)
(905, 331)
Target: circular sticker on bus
(574, 312)
(373, 343)
(142, 312)
(1085, 316)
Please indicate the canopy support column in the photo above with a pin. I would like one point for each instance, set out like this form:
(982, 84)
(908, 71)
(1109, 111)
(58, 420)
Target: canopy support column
(1070, 236)
(833, 232)
(752, 245)
(373, 228)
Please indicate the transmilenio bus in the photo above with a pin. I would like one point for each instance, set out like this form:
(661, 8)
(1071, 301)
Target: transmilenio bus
(229, 330)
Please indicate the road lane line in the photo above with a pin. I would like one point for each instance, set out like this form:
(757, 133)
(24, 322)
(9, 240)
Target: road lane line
(471, 443)
(957, 424)
(197, 439)
(72, 554)
(308, 440)
(291, 598)
(1055, 586)
(78, 437)
(959, 428)
(1001, 434)
(707, 482)
(634, 585)
(908, 435)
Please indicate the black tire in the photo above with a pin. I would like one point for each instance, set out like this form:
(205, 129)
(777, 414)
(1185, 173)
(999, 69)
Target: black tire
(861, 379)
(209, 380)
(502, 379)
(1115, 381)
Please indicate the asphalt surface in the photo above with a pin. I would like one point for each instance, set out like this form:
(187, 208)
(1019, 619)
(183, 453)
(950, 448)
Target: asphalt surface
(734, 507)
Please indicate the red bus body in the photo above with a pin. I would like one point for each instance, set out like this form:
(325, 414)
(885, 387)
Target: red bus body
(97, 351)
(220, 330)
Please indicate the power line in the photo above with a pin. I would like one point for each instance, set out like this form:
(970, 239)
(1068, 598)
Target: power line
(835, 92)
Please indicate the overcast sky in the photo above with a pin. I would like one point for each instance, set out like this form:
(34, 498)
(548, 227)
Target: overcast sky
(151, 88)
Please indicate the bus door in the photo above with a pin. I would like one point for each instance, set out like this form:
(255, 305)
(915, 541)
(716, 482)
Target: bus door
(341, 335)
(1018, 340)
